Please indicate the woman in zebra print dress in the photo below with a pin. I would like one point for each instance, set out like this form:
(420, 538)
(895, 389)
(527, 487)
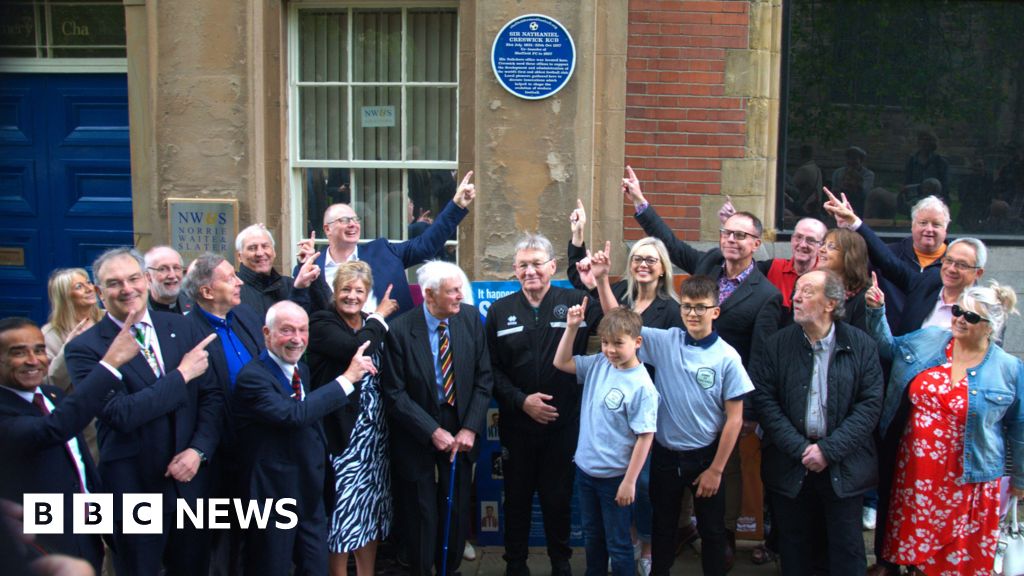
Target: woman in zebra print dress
(357, 435)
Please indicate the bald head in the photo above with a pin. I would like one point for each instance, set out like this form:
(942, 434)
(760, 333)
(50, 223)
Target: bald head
(287, 331)
(807, 237)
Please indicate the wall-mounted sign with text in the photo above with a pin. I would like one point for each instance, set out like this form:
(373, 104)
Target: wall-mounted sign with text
(533, 56)
(198, 225)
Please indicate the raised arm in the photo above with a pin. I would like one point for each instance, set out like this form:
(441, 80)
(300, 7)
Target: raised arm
(564, 359)
(680, 253)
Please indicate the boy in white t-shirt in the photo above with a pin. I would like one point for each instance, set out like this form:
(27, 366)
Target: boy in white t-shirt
(618, 418)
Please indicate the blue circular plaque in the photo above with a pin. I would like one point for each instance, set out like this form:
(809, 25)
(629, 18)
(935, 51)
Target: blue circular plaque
(533, 56)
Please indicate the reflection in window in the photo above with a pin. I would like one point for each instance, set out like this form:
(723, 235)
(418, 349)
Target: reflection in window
(62, 29)
(889, 101)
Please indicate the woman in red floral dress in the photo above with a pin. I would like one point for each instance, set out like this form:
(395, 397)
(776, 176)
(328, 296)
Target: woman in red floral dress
(944, 506)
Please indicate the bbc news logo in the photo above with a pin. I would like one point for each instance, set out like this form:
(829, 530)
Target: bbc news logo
(143, 513)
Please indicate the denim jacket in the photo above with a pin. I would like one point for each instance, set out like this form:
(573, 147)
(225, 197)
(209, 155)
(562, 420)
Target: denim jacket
(995, 396)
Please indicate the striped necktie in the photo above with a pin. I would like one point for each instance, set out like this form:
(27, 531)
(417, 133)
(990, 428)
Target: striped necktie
(444, 354)
(143, 337)
(296, 386)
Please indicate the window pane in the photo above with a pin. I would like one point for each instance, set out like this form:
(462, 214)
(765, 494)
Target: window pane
(323, 55)
(88, 25)
(378, 122)
(887, 121)
(433, 117)
(322, 115)
(432, 46)
(429, 191)
(379, 202)
(18, 30)
(323, 187)
(377, 46)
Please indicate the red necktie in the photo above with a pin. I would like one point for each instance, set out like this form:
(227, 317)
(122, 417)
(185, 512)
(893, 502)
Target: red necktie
(447, 370)
(296, 385)
(37, 399)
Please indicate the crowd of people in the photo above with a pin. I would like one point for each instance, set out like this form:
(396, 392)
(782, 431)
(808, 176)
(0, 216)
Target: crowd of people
(871, 373)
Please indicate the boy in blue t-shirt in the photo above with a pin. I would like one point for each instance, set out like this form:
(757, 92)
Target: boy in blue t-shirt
(617, 422)
(702, 382)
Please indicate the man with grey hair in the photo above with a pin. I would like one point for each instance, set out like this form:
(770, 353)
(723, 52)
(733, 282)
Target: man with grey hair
(262, 285)
(165, 270)
(437, 388)
(212, 284)
(163, 421)
(539, 404)
(818, 397)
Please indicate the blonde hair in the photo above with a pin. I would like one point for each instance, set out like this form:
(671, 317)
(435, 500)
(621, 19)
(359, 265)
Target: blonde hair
(62, 310)
(666, 286)
(355, 270)
(998, 301)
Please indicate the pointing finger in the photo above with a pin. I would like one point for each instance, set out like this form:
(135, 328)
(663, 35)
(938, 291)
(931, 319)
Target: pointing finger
(312, 235)
(831, 196)
(583, 305)
(607, 247)
(363, 348)
(579, 204)
(465, 180)
(206, 342)
(874, 278)
(387, 293)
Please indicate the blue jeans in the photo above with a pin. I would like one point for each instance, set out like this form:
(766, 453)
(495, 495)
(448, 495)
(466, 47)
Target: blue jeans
(605, 526)
(642, 505)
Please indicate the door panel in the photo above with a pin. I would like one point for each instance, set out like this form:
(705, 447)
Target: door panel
(65, 186)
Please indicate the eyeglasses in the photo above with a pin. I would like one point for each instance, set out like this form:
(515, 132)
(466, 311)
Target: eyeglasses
(166, 269)
(970, 317)
(345, 220)
(524, 266)
(801, 239)
(699, 309)
(960, 266)
(649, 260)
(832, 247)
(736, 234)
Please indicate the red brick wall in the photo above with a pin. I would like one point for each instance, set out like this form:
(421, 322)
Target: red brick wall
(679, 123)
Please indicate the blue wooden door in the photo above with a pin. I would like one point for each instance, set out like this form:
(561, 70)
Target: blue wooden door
(65, 186)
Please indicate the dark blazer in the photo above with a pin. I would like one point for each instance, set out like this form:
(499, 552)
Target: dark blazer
(281, 443)
(261, 291)
(37, 443)
(282, 453)
(921, 288)
(332, 344)
(183, 305)
(388, 260)
(750, 315)
(661, 313)
(895, 298)
(249, 329)
(410, 386)
(781, 376)
(149, 420)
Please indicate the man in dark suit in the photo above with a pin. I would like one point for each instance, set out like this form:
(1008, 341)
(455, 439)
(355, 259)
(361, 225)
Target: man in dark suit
(751, 307)
(437, 387)
(42, 429)
(162, 422)
(281, 444)
(387, 259)
(263, 286)
(212, 284)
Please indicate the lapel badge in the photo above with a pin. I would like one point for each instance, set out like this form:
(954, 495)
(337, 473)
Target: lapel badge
(173, 335)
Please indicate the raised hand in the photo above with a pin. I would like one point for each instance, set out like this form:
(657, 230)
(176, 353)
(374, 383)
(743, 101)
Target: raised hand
(360, 365)
(387, 305)
(577, 222)
(466, 191)
(600, 261)
(307, 246)
(727, 210)
(873, 297)
(194, 363)
(576, 314)
(631, 188)
(124, 346)
(308, 273)
(841, 210)
(586, 274)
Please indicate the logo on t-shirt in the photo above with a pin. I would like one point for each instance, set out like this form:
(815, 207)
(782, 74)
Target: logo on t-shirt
(705, 377)
(614, 399)
(560, 311)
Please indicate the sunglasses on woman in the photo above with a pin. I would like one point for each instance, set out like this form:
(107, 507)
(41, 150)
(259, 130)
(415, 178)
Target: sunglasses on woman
(970, 317)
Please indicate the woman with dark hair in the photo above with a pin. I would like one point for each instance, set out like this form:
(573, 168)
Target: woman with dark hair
(357, 434)
(845, 253)
(965, 395)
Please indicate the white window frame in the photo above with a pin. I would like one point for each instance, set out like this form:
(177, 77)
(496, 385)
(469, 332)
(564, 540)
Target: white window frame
(297, 199)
